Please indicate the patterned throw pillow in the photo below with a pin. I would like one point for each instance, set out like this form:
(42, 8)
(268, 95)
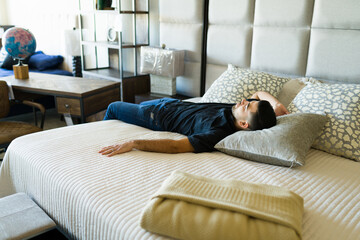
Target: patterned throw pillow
(292, 88)
(341, 102)
(238, 83)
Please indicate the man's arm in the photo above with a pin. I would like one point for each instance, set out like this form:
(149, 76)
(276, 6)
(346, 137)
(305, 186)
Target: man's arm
(278, 107)
(158, 145)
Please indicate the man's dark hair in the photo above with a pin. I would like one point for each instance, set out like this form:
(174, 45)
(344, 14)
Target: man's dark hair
(264, 117)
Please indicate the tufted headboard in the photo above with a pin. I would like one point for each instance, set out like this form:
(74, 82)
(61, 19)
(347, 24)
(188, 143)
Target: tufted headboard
(313, 38)
(181, 27)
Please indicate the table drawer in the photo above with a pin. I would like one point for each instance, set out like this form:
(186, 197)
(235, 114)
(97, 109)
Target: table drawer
(68, 105)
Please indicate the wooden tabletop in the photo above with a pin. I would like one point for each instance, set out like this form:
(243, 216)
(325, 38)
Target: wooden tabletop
(59, 85)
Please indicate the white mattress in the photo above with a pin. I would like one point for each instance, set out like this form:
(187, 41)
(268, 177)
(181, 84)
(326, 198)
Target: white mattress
(95, 197)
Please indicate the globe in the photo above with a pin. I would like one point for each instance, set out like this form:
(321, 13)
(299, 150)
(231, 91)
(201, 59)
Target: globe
(19, 42)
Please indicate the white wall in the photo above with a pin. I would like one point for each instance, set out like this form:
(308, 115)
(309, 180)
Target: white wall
(3, 14)
(46, 19)
(154, 23)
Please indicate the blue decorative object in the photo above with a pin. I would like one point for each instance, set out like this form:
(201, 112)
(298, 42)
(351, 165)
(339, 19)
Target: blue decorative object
(41, 61)
(19, 42)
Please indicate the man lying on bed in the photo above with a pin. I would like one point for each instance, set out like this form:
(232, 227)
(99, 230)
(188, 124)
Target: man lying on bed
(204, 124)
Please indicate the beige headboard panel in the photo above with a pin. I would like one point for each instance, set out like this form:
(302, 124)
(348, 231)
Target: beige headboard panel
(315, 38)
(181, 27)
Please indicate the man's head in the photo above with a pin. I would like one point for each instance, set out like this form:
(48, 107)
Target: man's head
(254, 115)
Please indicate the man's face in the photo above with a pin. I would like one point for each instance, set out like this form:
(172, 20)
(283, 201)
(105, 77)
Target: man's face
(244, 109)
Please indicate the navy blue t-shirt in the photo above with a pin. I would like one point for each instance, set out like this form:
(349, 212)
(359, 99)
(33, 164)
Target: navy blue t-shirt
(205, 124)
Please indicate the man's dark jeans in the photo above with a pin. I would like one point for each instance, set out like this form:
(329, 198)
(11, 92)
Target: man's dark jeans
(138, 114)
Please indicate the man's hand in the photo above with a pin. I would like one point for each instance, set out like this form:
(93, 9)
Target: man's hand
(280, 109)
(156, 145)
(117, 149)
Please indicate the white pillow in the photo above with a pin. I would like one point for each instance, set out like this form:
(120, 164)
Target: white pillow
(237, 83)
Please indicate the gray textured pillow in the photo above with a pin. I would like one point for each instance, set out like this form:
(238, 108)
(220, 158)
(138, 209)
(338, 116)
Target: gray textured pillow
(285, 144)
(237, 83)
(341, 102)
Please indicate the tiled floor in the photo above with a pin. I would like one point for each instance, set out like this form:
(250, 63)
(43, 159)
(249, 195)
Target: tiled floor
(52, 120)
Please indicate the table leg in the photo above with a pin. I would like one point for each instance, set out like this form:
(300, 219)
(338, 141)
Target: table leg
(68, 119)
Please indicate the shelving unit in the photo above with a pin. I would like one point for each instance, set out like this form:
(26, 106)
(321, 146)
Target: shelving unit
(118, 60)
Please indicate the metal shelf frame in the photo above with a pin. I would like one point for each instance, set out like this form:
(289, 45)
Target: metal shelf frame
(119, 45)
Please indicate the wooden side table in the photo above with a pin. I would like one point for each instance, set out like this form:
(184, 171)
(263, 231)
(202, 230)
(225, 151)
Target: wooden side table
(151, 96)
(132, 86)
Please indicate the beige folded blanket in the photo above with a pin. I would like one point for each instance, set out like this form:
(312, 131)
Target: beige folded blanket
(194, 207)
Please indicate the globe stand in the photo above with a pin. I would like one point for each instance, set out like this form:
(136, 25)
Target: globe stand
(21, 71)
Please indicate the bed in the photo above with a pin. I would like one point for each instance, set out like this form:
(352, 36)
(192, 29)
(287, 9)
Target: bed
(91, 196)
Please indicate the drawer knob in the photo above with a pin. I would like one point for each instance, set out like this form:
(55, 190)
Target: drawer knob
(67, 106)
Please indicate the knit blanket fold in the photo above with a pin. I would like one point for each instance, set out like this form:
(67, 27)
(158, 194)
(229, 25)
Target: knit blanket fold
(188, 206)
